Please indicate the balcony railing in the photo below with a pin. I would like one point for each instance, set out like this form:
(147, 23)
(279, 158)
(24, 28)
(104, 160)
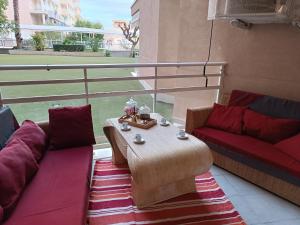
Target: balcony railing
(86, 81)
(7, 43)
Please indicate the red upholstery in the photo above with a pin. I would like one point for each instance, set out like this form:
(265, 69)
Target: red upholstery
(71, 127)
(17, 166)
(268, 128)
(33, 136)
(58, 194)
(226, 118)
(250, 146)
(1, 214)
(291, 146)
(242, 98)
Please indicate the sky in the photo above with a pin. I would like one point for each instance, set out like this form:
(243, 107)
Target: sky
(104, 11)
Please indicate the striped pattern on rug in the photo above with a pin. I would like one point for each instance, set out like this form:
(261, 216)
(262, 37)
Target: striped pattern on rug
(111, 202)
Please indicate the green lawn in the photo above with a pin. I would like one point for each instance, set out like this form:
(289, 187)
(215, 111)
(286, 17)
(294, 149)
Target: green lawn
(102, 107)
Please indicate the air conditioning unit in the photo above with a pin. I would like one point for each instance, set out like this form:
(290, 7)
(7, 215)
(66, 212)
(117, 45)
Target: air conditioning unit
(255, 11)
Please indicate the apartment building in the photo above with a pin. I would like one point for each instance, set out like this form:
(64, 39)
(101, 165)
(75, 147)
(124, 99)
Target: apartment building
(45, 12)
(69, 11)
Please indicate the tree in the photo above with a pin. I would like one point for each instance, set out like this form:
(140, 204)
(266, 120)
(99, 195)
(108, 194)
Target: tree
(39, 41)
(5, 25)
(125, 44)
(86, 23)
(130, 35)
(3, 6)
(17, 24)
(86, 37)
(95, 44)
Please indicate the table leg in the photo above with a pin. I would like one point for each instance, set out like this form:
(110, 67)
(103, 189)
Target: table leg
(117, 145)
(117, 156)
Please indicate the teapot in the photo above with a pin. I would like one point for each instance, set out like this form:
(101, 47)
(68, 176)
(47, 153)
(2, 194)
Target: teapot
(131, 107)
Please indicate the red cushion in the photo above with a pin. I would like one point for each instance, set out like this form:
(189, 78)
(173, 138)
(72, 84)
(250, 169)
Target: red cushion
(1, 214)
(33, 136)
(242, 98)
(226, 118)
(268, 128)
(71, 127)
(250, 146)
(291, 146)
(58, 194)
(17, 166)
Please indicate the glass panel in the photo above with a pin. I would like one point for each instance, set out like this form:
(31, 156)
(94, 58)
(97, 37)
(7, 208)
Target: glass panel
(98, 73)
(191, 99)
(41, 90)
(39, 74)
(39, 111)
(112, 107)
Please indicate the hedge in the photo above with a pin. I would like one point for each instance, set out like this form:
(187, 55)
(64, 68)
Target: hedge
(68, 48)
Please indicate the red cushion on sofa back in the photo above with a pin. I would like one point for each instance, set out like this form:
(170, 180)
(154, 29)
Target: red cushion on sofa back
(228, 118)
(33, 136)
(291, 146)
(71, 127)
(17, 166)
(268, 128)
(242, 98)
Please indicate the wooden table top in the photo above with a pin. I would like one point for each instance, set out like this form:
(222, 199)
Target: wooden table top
(160, 141)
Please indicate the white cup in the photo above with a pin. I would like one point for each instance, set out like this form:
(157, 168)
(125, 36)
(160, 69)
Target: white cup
(163, 120)
(181, 133)
(125, 125)
(138, 137)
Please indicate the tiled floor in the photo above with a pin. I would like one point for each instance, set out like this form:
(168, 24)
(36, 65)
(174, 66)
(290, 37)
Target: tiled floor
(255, 205)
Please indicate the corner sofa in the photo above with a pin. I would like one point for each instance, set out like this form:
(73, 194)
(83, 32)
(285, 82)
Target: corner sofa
(56, 192)
(271, 164)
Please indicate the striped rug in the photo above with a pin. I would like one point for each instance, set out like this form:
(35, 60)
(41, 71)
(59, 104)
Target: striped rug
(111, 202)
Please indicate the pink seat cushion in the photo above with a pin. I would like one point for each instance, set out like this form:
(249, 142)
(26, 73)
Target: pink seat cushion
(33, 136)
(268, 128)
(291, 146)
(251, 147)
(71, 127)
(58, 194)
(17, 167)
(228, 118)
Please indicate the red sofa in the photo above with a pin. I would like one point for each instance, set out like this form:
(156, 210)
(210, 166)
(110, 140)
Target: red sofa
(273, 166)
(58, 192)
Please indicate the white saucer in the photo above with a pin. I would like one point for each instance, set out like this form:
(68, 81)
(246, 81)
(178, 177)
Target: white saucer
(127, 129)
(182, 137)
(142, 141)
(165, 124)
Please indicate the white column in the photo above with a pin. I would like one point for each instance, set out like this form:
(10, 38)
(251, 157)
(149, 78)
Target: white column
(43, 19)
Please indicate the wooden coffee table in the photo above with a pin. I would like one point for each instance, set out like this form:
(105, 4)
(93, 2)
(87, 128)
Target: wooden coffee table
(164, 166)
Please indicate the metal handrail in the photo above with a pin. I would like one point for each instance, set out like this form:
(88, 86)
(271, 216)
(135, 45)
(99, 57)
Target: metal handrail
(107, 66)
(103, 79)
(85, 80)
